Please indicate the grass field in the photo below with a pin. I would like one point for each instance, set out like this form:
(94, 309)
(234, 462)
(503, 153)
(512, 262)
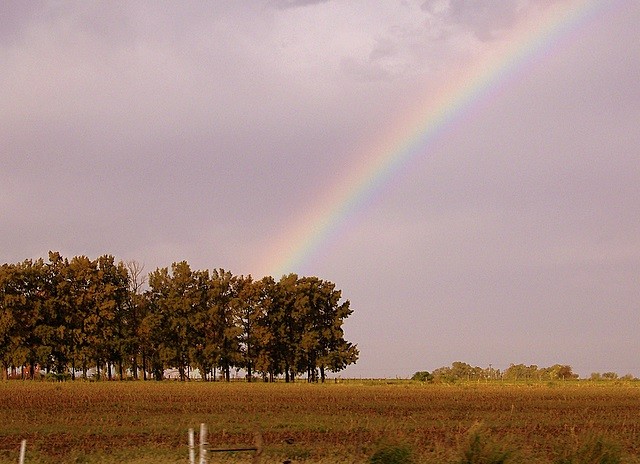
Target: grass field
(331, 423)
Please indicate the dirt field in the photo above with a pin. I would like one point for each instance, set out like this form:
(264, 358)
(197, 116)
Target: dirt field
(344, 422)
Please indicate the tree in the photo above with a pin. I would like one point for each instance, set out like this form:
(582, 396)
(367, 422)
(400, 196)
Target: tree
(522, 372)
(266, 354)
(60, 323)
(461, 371)
(328, 314)
(7, 319)
(250, 304)
(306, 319)
(134, 314)
(422, 376)
(175, 302)
(112, 296)
(23, 300)
(225, 321)
(285, 321)
(559, 372)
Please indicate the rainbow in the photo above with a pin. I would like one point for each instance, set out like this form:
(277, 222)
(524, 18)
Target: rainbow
(412, 135)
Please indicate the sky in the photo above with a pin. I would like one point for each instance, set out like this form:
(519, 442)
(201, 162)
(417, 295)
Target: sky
(253, 136)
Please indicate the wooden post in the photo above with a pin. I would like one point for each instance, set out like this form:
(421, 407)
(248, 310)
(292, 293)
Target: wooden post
(23, 450)
(258, 442)
(203, 443)
(192, 448)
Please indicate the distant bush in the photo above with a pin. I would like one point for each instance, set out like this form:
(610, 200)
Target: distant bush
(597, 376)
(422, 376)
(393, 454)
(57, 377)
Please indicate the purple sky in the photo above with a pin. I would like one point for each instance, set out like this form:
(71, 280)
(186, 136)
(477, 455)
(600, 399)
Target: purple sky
(163, 131)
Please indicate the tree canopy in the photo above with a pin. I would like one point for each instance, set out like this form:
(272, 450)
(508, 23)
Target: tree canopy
(69, 316)
(463, 371)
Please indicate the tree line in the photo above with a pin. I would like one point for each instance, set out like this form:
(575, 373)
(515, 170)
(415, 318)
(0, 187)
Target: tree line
(463, 371)
(69, 317)
(460, 371)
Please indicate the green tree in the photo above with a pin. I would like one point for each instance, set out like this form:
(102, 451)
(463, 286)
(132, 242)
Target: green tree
(59, 323)
(7, 319)
(522, 372)
(266, 354)
(23, 299)
(226, 326)
(328, 314)
(134, 314)
(285, 321)
(422, 376)
(305, 320)
(250, 309)
(112, 297)
(81, 277)
(174, 300)
(559, 372)
(200, 355)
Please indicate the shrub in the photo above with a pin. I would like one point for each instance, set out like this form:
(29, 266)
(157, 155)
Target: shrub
(393, 454)
(422, 376)
(594, 450)
(479, 448)
(57, 377)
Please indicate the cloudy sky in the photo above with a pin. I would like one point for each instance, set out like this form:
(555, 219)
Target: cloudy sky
(210, 131)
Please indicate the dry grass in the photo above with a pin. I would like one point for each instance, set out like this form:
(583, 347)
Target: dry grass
(144, 422)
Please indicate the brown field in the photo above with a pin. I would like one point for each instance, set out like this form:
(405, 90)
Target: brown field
(342, 423)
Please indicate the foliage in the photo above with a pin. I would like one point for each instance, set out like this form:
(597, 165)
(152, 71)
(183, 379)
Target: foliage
(555, 372)
(479, 448)
(460, 371)
(596, 449)
(422, 376)
(393, 454)
(66, 316)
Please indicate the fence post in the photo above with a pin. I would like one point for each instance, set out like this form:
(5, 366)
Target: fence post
(192, 448)
(258, 442)
(203, 443)
(23, 450)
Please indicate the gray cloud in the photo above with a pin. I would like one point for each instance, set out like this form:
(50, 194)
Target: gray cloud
(16, 17)
(486, 19)
(286, 4)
